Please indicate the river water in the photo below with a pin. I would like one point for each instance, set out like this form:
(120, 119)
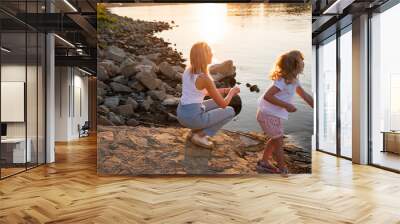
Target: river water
(252, 35)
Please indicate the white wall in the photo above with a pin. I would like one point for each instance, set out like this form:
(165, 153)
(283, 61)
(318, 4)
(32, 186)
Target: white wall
(82, 83)
(71, 93)
(62, 81)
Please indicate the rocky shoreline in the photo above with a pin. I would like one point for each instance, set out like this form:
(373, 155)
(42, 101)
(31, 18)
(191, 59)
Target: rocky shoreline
(139, 84)
(144, 150)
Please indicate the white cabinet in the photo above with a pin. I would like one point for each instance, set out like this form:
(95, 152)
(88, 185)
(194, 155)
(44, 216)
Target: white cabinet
(19, 155)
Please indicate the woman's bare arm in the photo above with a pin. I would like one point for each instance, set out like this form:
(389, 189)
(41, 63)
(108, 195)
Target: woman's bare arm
(205, 82)
(220, 90)
(306, 97)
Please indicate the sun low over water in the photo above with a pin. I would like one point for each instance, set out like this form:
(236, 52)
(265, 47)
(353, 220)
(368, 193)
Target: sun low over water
(252, 35)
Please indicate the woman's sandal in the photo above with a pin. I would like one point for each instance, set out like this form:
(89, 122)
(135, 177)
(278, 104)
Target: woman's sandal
(189, 135)
(266, 167)
(195, 139)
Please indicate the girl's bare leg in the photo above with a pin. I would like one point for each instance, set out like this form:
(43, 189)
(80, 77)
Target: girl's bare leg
(279, 153)
(269, 149)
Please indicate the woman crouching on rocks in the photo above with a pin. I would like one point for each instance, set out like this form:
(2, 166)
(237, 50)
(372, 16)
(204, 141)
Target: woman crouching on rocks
(204, 117)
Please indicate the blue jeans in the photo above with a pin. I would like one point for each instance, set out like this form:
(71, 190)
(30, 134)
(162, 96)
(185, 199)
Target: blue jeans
(206, 116)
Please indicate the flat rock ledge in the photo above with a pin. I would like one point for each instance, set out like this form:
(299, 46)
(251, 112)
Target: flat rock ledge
(142, 150)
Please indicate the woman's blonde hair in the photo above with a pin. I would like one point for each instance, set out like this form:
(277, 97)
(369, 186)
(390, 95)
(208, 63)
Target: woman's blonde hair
(288, 66)
(199, 58)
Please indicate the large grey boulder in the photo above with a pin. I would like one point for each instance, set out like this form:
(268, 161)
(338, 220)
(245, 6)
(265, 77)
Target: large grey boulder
(132, 102)
(135, 85)
(111, 102)
(118, 87)
(146, 104)
(102, 88)
(100, 53)
(132, 122)
(170, 101)
(111, 68)
(126, 110)
(100, 100)
(115, 53)
(115, 119)
(101, 91)
(121, 79)
(157, 94)
(149, 80)
(146, 61)
(128, 62)
(178, 88)
(146, 68)
(178, 68)
(102, 120)
(178, 76)
(167, 70)
(222, 70)
(165, 87)
(128, 67)
(102, 73)
(102, 109)
(153, 57)
(102, 85)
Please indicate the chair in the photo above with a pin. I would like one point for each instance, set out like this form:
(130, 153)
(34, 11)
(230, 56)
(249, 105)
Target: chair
(84, 130)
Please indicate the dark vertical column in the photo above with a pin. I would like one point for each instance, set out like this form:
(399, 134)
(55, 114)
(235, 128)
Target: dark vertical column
(37, 90)
(317, 97)
(369, 96)
(26, 87)
(92, 102)
(338, 95)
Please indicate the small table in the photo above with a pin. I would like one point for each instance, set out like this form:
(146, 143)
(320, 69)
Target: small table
(391, 141)
(16, 147)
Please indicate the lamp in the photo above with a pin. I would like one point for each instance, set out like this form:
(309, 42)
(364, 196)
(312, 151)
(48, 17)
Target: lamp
(5, 49)
(84, 71)
(65, 41)
(337, 7)
(70, 5)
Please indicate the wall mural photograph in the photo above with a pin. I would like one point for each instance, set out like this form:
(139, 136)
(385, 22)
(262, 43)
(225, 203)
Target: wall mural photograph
(204, 89)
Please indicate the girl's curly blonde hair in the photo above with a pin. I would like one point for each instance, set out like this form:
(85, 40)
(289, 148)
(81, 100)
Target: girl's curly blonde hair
(288, 66)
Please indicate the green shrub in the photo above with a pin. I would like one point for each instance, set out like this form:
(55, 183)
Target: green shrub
(105, 19)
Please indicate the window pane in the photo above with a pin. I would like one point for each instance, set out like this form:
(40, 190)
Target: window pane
(346, 94)
(385, 83)
(13, 85)
(31, 97)
(327, 97)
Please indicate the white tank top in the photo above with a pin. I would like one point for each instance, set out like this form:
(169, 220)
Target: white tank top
(190, 94)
